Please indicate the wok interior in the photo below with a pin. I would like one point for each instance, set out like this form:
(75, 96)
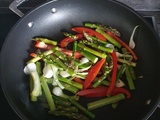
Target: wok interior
(18, 44)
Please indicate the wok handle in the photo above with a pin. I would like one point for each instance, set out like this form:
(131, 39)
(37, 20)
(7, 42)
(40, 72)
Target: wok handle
(14, 7)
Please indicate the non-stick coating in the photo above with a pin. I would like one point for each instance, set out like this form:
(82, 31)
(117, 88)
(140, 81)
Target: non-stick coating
(71, 13)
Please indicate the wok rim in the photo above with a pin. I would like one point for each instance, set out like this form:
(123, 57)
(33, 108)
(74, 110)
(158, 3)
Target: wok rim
(2, 81)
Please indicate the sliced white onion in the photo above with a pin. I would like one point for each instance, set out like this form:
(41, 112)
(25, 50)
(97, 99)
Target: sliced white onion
(110, 46)
(82, 77)
(26, 71)
(131, 41)
(123, 55)
(83, 73)
(120, 83)
(84, 60)
(42, 44)
(118, 54)
(55, 78)
(59, 84)
(47, 71)
(57, 91)
(83, 69)
(54, 83)
(64, 74)
(148, 101)
(30, 67)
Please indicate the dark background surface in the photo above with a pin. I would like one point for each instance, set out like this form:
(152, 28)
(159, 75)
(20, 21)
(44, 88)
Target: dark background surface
(147, 8)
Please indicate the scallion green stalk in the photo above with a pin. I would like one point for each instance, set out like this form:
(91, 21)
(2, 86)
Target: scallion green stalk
(48, 94)
(32, 97)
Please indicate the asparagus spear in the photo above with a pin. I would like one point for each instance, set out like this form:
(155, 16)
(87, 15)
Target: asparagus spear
(70, 88)
(103, 27)
(97, 46)
(129, 79)
(105, 101)
(48, 52)
(69, 109)
(110, 39)
(45, 40)
(99, 81)
(61, 101)
(75, 84)
(61, 64)
(71, 115)
(83, 109)
(99, 41)
(102, 55)
(90, 56)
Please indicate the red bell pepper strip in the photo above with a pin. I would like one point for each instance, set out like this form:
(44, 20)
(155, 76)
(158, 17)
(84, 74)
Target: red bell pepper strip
(33, 55)
(93, 92)
(67, 40)
(123, 44)
(78, 80)
(90, 31)
(101, 92)
(114, 74)
(45, 46)
(70, 52)
(118, 90)
(93, 73)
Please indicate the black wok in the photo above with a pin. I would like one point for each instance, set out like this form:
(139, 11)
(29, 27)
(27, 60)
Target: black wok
(69, 13)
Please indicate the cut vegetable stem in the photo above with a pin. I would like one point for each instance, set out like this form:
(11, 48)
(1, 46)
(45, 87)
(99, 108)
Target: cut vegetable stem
(48, 94)
(129, 79)
(83, 109)
(110, 39)
(105, 101)
(104, 49)
(90, 56)
(84, 47)
(70, 88)
(48, 52)
(45, 40)
(75, 84)
(127, 62)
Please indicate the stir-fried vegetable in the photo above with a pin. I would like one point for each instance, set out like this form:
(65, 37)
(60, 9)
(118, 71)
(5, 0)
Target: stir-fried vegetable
(94, 67)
